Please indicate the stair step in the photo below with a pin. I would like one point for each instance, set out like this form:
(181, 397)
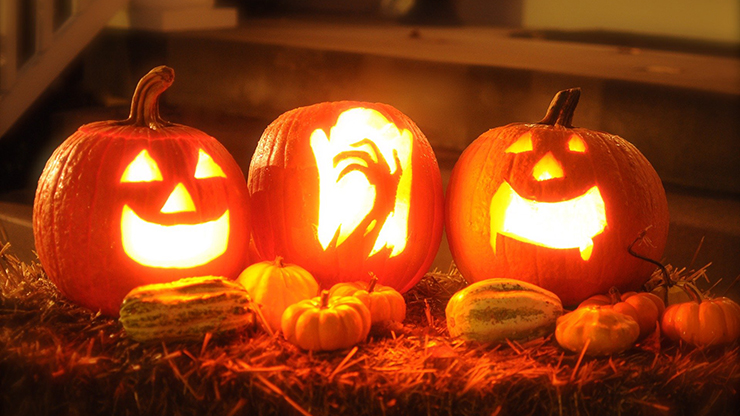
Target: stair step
(679, 109)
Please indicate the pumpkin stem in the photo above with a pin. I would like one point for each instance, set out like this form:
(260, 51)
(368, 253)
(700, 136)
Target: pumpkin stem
(145, 102)
(324, 299)
(373, 281)
(666, 276)
(279, 261)
(614, 295)
(562, 107)
(692, 291)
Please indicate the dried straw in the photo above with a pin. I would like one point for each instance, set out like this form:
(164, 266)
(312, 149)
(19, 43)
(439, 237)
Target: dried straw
(57, 358)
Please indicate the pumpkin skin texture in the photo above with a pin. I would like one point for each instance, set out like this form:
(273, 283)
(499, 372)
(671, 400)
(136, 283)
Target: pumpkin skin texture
(495, 310)
(593, 192)
(122, 204)
(326, 324)
(645, 308)
(384, 302)
(275, 285)
(605, 330)
(357, 146)
(702, 323)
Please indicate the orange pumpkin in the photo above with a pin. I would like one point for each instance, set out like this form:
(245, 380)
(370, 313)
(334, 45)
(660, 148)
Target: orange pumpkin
(344, 189)
(275, 285)
(555, 205)
(384, 302)
(702, 322)
(122, 204)
(645, 308)
(326, 324)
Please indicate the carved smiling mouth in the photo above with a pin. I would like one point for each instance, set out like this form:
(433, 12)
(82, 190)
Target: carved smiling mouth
(558, 225)
(179, 246)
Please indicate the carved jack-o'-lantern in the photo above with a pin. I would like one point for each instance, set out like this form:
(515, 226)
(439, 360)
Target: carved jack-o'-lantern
(556, 206)
(347, 188)
(126, 203)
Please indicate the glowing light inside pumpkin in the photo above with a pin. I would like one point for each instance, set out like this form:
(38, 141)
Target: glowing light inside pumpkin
(178, 246)
(179, 201)
(576, 144)
(142, 169)
(523, 144)
(364, 166)
(558, 225)
(547, 168)
(207, 168)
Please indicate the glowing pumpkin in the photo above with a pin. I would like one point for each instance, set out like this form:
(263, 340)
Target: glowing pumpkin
(122, 204)
(345, 189)
(556, 206)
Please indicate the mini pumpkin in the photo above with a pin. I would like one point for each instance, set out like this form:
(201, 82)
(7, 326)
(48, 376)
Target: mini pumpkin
(645, 308)
(275, 285)
(347, 188)
(326, 324)
(384, 302)
(122, 204)
(702, 322)
(555, 205)
(602, 331)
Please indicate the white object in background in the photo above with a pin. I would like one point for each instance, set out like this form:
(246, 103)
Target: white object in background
(175, 15)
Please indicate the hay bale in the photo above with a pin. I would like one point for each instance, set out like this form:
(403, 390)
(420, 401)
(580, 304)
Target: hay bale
(57, 358)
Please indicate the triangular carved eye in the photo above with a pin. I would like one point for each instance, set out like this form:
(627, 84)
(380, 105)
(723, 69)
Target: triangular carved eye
(142, 169)
(576, 144)
(523, 144)
(207, 168)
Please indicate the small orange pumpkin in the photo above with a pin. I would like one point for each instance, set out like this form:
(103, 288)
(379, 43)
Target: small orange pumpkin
(601, 330)
(702, 322)
(384, 302)
(326, 324)
(644, 308)
(275, 285)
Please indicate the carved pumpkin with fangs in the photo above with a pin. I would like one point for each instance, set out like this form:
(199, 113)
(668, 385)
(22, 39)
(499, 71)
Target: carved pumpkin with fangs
(555, 205)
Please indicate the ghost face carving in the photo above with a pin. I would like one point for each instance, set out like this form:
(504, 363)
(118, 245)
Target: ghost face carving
(345, 189)
(365, 175)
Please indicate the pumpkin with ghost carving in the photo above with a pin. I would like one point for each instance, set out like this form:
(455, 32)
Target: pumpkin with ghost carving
(122, 204)
(555, 205)
(346, 189)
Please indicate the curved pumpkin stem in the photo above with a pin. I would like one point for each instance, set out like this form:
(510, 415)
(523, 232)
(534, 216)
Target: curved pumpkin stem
(614, 295)
(145, 102)
(279, 261)
(562, 107)
(324, 303)
(373, 282)
(666, 276)
(692, 291)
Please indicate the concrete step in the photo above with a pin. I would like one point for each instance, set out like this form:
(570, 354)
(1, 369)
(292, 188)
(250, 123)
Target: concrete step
(679, 109)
